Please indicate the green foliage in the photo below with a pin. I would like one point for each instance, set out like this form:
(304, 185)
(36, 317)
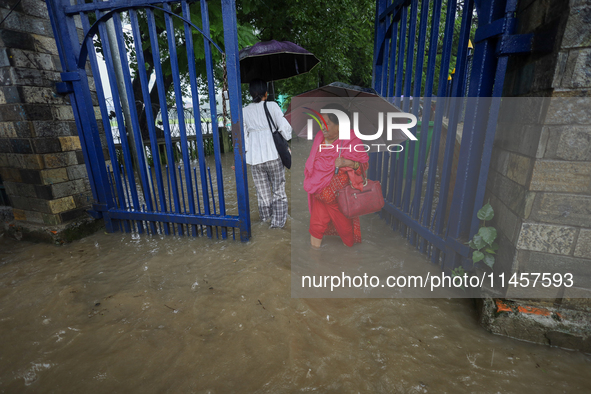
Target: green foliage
(483, 242)
(458, 271)
(338, 32)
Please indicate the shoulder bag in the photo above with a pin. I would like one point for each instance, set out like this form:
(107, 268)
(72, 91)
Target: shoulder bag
(353, 202)
(280, 142)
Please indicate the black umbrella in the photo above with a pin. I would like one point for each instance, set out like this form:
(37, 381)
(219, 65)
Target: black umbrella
(274, 60)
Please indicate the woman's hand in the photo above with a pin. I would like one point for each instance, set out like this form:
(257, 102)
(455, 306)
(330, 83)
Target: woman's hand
(340, 162)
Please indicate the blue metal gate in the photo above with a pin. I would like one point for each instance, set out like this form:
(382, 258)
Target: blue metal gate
(129, 193)
(408, 32)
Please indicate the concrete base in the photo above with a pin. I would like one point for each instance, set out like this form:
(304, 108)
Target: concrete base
(57, 235)
(545, 322)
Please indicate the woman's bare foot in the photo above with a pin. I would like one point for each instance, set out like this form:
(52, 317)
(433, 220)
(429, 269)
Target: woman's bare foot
(315, 242)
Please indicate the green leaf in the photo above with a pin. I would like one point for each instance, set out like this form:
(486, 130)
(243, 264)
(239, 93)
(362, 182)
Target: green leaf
(478, 241)
(488, 234)
(486, 213)
(477, 256)
(490, 250)
(489, 260)
(472, 245)
(495, 246)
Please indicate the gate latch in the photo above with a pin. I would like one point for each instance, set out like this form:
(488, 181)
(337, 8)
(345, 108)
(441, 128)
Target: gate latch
(97, 210)
(66, 86)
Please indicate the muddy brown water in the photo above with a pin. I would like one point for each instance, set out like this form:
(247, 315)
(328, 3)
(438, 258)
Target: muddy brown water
(123, 313)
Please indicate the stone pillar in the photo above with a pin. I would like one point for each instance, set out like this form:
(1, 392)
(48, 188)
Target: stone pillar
(540, 176)
(41, 161)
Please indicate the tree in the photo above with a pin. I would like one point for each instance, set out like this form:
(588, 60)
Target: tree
(245, 36)
(338, 32)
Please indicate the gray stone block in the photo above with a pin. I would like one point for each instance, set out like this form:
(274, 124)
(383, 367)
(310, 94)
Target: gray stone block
(569, 111)
(28, 59)
(583, 247)
(505, 220)
(510, 193)
(44, 192)
(47, 145)
(83, 200)
(69, 188)
(30, 176)
(577, 33)
(17, 39)
(33, 204)
(561, 176)
(5, 146)
(499, 161)
(39, 95)
(546, 238)
(10, 95)
(52, 129)
(34, 217)
(22, 22)
(578, 73)
(530, 261)
(35, 8)
(63, 159)
(36, 112)
(519, 168)
(77, 172)
(568, 209)
(33, 77)
(21, 145)
(570, 142)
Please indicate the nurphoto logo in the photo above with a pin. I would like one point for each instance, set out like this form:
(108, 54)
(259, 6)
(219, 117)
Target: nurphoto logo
(345, 129)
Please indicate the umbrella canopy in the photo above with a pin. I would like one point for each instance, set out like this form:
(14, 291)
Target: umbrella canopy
(370, 107)
(274, 60)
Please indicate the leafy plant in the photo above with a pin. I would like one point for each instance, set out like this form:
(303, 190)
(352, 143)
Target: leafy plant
(483, 242)
(458, 271)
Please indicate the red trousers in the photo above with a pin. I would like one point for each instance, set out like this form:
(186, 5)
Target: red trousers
(323, 214)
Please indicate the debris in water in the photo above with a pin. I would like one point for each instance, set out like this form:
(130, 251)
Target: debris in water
(261, 304)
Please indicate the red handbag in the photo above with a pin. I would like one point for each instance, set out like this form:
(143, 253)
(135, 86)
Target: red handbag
(353, 202)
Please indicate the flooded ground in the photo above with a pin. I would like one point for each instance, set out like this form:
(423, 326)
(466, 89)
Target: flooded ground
(152, 314)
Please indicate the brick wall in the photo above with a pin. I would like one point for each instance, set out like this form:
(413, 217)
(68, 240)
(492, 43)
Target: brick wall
(540, 176)
(41, 161)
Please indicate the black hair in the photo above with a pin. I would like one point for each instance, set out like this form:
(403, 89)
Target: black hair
(257, 90)
(333, 118)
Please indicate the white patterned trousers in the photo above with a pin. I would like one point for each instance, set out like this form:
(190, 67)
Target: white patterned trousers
(269, 181)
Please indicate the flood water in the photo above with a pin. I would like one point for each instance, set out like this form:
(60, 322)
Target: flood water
(121, 313)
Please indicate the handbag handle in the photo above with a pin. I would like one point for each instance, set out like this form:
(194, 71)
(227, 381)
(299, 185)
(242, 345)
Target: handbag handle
(269, 118)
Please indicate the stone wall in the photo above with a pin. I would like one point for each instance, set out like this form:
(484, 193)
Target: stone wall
(540, 175)
(41, 160)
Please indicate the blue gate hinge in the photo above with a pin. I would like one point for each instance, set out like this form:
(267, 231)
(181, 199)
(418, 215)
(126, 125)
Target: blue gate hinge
(518, 43)
(70, 76)
(64, 87)
(97, 210)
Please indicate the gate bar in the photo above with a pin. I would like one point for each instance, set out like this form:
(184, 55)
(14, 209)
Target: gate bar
(233, 68)
(164, 112)
(195, 100)
(149, 114)
(115, 200)
(109, 62)
(135, 127)
(174, 63)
